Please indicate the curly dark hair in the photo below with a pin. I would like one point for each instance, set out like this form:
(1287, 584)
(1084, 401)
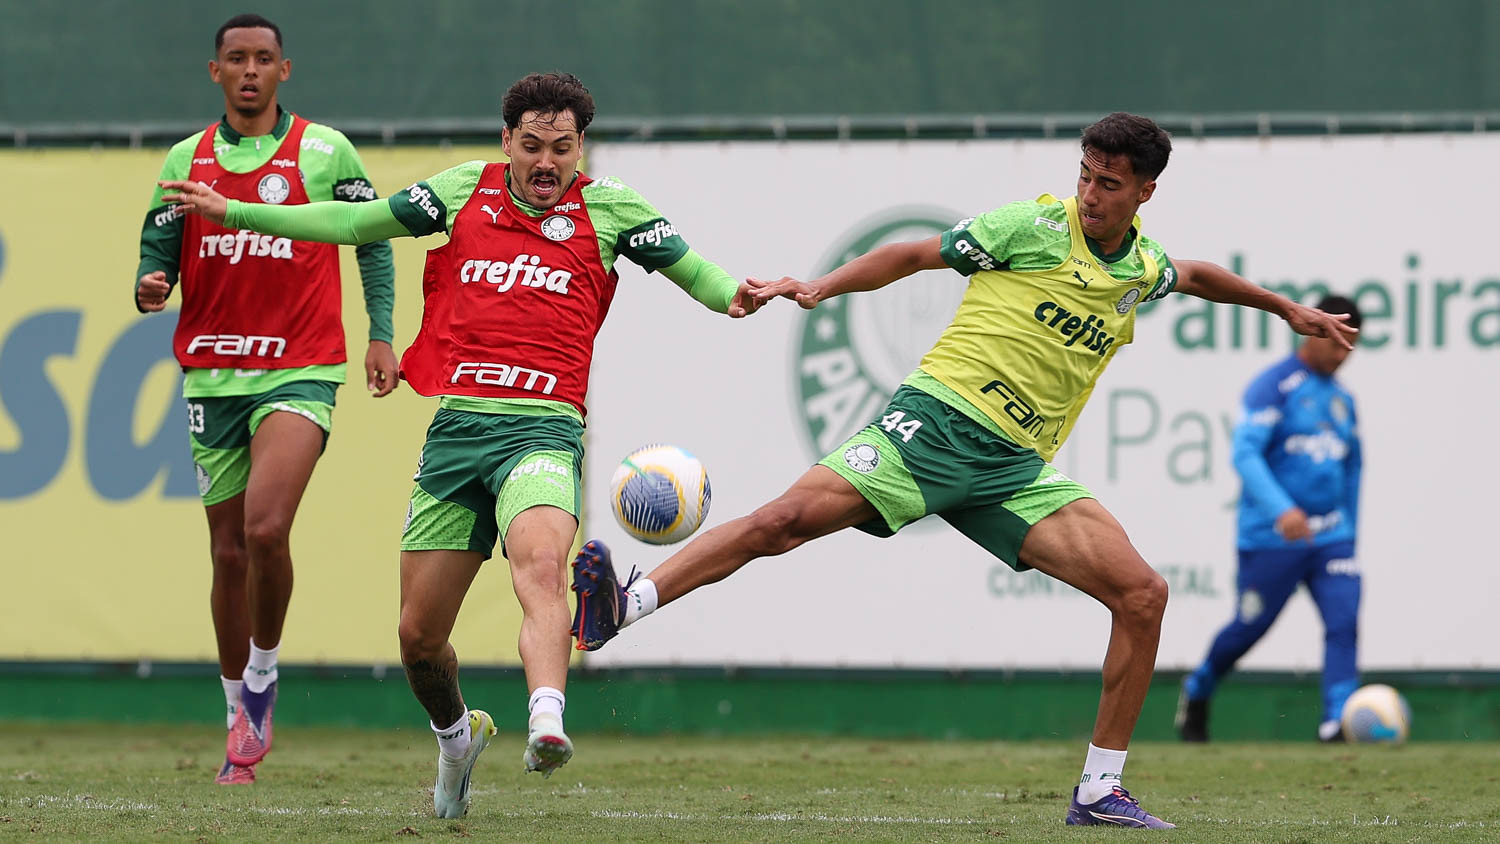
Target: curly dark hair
(245, 22)
(548, 93)
(1138, 138)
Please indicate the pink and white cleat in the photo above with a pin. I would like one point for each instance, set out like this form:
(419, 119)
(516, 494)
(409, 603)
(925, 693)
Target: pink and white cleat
(232, 774)
(250, 737)
(547, 746)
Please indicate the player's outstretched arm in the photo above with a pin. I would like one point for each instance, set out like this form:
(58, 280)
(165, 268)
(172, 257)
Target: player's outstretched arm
(870, 271)
(351, 223)
(716, 289)
(1210, 281)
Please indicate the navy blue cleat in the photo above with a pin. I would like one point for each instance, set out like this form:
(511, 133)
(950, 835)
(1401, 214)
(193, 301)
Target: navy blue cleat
(1117, 808)
(601, 596)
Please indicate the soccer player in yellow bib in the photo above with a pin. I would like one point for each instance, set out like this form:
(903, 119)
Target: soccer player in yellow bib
(1054, 294)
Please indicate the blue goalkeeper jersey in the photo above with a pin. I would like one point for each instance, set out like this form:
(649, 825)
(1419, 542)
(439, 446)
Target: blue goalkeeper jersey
(1297, 444)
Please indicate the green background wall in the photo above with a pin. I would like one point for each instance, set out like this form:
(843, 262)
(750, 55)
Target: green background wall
(1250, 706)
(103, 61)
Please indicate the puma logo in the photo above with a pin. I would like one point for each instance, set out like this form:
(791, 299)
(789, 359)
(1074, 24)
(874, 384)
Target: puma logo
(494, 215)
(1081, 280)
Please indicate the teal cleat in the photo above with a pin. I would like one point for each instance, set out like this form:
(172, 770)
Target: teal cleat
(450, 794)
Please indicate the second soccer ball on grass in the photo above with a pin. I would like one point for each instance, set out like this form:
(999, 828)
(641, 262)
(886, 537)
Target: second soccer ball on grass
(660, 494)
(1377, 713)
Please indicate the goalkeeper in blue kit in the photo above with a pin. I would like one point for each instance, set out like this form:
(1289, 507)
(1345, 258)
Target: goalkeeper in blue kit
(1297, 452)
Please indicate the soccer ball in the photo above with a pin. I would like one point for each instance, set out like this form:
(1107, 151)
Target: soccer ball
(660, 494)
(1376, 713)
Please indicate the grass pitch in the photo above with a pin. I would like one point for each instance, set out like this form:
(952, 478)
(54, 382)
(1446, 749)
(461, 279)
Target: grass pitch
(70, 782)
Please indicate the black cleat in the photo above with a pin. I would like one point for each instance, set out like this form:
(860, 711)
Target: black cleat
(1192, 718)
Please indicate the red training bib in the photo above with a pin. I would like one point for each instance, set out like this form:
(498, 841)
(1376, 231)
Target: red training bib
(512, 302)
(256, 301)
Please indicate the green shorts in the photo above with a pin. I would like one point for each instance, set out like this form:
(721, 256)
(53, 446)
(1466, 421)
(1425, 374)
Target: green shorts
(924, 456)
(478, 471)
(221, 429)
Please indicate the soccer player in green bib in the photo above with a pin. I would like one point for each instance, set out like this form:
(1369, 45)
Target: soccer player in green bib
(261, 342)
(1054, 291)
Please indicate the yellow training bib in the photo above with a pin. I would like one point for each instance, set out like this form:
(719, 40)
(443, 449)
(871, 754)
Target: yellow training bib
(1027, 346)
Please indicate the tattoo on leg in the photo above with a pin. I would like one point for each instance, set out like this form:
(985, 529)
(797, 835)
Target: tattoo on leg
(435, 683)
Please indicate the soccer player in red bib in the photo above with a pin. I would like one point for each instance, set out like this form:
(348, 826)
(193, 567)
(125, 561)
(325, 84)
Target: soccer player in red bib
(261, 343)
(513, 302)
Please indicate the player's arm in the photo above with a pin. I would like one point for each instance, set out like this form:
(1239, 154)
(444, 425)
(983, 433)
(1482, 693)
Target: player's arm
(985, 242)
(1252, 438)
(1212, 282)
(427, 207)
(377, 272)
(870, 271)
(161, 237)
(711, 285)
(349, 223)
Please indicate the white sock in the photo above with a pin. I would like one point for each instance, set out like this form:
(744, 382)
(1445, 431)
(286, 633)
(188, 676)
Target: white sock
(546, 702)
(231, 698)
(260, 671)
(640, 601)
(453, 741)
(1102, 770)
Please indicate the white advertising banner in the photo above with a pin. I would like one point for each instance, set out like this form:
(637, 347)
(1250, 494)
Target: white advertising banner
(1395, 221)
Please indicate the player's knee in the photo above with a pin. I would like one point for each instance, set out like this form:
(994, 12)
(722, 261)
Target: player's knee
(539, 571)
(418, 641)
(267, 535)
(230, 560)
(1145, 601)
(1254, 628)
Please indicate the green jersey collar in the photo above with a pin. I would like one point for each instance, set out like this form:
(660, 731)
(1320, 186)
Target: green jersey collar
(1118, 254)
(233, 138)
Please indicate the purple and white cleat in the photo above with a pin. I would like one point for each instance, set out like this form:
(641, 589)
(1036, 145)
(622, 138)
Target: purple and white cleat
(601, 596)
(1117, 808)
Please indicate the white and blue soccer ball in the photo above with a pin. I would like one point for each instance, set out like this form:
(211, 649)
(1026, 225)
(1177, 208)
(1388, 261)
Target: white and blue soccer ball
(660, 494)
(1376, 713)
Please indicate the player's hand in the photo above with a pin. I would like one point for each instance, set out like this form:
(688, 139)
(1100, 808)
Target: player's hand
(151, 291)
(1315, 323)
(1292, 524)
(380, 368)
(805, 294)
(197, 198)
(745, 302)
